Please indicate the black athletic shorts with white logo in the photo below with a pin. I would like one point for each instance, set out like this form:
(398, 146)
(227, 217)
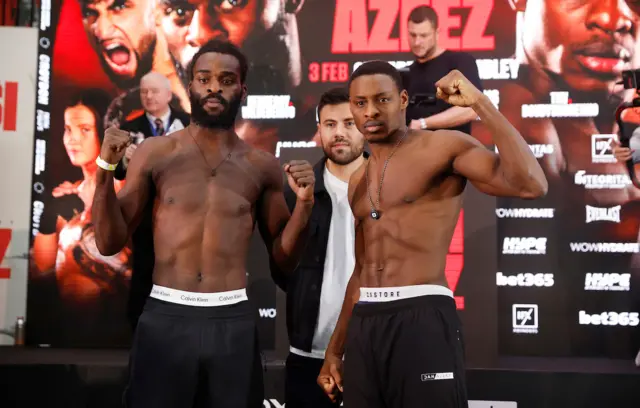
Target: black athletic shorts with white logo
(405, 353)
(189, 356)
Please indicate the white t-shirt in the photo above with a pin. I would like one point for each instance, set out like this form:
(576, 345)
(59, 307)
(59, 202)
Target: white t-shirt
(338, 265)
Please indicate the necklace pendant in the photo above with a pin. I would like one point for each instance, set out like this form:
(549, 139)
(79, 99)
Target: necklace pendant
(375, 215)
(213, 173)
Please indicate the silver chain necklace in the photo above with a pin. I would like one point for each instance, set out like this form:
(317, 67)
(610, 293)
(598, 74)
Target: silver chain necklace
(213, 169)
(375, 214)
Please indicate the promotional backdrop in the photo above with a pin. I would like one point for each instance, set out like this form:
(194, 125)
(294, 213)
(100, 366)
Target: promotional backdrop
(541, 63)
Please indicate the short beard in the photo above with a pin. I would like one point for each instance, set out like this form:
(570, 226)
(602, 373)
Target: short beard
(224, 120)
(343, 159)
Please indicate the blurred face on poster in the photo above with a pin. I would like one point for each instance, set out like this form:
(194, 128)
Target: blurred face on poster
(188, 24)
(123, 34)
(80, 135)
(588, 42)
(423, 39)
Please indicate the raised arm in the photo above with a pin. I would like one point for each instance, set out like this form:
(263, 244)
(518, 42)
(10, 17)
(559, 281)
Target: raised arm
(115, 217)
(285, 233)
(515, 172)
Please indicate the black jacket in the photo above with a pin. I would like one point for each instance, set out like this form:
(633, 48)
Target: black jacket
(304, 285)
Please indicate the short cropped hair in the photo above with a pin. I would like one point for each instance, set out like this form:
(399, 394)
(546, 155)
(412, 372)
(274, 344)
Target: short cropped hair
(335, 96)
(221, 47)
(424, 13)
(378, 67)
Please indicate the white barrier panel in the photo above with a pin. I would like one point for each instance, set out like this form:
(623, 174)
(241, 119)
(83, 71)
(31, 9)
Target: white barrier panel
(19, 47)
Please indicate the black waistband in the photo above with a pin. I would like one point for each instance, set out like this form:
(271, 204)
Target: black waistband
(237, 310)
(373, 308)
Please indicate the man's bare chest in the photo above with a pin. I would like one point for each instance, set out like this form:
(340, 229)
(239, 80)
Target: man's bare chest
(232, 185)
(399, 186)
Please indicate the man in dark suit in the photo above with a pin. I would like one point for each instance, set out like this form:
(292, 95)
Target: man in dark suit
(157, 120)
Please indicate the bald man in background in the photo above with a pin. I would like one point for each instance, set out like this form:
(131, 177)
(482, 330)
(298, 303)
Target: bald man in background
(158, 119)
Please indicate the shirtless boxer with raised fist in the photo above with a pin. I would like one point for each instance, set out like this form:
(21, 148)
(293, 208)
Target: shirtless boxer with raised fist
(197, 336)
(403, 346)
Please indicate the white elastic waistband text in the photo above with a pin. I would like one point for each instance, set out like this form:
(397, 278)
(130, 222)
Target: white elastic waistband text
(402, 292)
(198, 299)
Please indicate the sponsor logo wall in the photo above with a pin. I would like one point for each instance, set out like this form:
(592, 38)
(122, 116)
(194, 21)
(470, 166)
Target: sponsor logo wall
(566, 286)
(545, 248)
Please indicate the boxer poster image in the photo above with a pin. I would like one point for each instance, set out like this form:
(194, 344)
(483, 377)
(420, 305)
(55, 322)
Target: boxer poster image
(550, 66)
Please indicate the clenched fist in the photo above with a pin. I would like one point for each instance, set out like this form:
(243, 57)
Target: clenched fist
(114, 145)
(455, 89)
(301, 178)
(330, 377)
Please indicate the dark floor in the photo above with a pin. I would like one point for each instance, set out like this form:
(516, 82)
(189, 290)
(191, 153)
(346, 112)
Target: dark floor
(38, 378)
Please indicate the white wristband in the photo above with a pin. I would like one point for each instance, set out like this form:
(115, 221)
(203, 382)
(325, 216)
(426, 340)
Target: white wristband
(423, 123)
(104, 165)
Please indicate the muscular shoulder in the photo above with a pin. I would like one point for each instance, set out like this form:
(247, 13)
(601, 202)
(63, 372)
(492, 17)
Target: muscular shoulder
(153, 148)
(267, 164)
(449, 143)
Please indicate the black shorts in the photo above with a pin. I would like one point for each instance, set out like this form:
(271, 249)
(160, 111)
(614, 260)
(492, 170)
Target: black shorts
(405, 353)
(191, 356)
(301, 389)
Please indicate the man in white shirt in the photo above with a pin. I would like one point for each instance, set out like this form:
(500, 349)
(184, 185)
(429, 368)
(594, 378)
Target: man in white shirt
(316, 290)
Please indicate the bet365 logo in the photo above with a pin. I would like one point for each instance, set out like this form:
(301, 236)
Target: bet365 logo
(8, 106)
